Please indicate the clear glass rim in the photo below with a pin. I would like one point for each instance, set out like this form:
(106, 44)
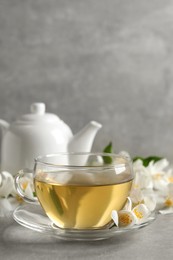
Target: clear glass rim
(41, 159)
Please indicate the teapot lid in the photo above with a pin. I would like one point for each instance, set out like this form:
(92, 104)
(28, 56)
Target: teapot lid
(38, 114)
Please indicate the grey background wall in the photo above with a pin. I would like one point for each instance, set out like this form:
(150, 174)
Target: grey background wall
(111, 61)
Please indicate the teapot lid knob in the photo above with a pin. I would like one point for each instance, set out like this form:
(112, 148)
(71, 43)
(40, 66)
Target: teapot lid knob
(38, 108)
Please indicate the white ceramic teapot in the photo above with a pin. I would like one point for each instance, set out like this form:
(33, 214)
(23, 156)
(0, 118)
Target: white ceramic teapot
(40, 133)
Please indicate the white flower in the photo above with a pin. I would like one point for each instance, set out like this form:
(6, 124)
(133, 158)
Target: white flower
(26, 184)
(143, 178)
(145, 196)
(136, 196)
(9, 199)
(153, 185)
(169, 199)
(149, 199)
(160, 173)
(141, 213)
(158, 167)
(6, 184)
(156, 175)
(165, 200)
(123, 218)
(130, 216)
(169, 176)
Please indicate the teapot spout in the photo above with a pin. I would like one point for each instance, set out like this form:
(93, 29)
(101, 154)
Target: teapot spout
(83, 140)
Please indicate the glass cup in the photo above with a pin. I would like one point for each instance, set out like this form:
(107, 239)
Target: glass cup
(80, 190)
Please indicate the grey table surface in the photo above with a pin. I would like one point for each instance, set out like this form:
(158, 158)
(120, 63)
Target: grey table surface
(152, 242)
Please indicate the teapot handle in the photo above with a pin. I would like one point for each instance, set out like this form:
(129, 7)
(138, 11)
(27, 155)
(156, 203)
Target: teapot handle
(26, 175)
(4, 125)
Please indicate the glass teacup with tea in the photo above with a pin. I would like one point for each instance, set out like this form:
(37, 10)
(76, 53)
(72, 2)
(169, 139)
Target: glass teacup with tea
(80, 190)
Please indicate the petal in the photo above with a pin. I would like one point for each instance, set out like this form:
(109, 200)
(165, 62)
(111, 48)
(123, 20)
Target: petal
(114, 216)
(7, 184)
(160, 199)
(161, 165)
(164, 198)
(157, 167)
(143, 180)
(137, 163)
(128, 205)
(136, 196)
(126, 218)
(29, 192)
(151, 168)
(150, 202)
(143, 177)
(166, 211)
(141, 212)
(170, 190)
(159, 183)
(149, 199)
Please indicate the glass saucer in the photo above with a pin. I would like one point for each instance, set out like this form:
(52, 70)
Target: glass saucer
(33, 217)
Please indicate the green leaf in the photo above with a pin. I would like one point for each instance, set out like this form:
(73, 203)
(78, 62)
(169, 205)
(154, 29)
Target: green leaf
(56, 201)
(34, 194)
(147, 160)
(108, 149)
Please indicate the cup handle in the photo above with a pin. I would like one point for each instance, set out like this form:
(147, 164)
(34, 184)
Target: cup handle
(20, 190)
